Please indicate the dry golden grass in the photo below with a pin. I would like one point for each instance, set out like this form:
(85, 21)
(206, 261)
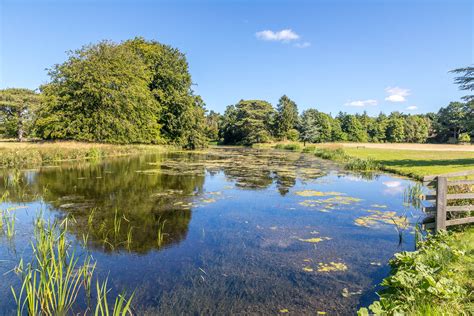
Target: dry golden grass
(16, 154)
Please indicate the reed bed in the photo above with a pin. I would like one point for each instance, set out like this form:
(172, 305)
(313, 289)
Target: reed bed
(54, 282)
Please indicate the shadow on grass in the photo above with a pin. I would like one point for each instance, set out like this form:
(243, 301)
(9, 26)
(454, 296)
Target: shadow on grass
(428, 163)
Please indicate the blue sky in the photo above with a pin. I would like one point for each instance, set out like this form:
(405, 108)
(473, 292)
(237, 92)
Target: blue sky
(330, 55)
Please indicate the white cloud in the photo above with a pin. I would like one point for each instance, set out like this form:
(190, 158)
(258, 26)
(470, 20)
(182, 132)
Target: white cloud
(396, 94)
(412, 108)
(303, 45)
(392, 184)
(279, 36)
(361, 103)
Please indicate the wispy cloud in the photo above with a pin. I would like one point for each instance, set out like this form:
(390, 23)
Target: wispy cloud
(412, 108)
(303, 45)
(285, 35)
(396, 94)
(361, 103)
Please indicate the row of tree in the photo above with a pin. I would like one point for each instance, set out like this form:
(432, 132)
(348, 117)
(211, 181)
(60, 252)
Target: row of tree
(136, 91)
(139, 91)
(253, 121)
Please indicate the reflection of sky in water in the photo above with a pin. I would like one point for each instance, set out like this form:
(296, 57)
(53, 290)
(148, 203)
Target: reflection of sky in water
(227, 249)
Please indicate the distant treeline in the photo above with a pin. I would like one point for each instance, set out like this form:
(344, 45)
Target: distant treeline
(256, 121)
(139, 91)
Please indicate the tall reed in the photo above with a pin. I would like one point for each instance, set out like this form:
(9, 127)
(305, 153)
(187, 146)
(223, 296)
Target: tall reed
(52, 281)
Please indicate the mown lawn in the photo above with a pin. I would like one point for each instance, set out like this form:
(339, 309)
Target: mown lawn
(417, 163)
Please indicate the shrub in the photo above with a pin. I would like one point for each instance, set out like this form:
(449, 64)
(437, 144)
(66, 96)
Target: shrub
(464, 138)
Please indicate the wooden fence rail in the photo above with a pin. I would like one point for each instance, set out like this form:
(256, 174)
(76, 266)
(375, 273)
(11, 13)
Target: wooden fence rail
(438, 215)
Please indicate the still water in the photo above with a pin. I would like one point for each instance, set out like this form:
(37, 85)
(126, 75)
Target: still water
(244, 231)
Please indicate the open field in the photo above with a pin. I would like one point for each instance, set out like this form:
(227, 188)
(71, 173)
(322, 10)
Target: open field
(21, 154)
(414, 160)
(409, 146)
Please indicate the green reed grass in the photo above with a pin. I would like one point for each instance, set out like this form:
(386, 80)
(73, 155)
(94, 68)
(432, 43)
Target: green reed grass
(160, 233)
(52, 281)
(9, 223)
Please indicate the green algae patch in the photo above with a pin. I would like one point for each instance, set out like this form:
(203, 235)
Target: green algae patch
(314, 239)
(376, 218)
(332, 267)
(309, 193)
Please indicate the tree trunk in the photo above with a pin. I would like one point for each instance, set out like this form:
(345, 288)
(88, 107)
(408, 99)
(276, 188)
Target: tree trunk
(20, 129)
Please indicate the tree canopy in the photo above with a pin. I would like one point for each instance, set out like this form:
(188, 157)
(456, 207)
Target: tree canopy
(137, 91)
(248, 122)
(17, 108)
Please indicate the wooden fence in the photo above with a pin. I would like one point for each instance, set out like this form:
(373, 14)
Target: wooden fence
(438, 214)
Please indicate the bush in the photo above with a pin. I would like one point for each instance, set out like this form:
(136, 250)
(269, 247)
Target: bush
(293, 135)
(425, 282)
(464, 138)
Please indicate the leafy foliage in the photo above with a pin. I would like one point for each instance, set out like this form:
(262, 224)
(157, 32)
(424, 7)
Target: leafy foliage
(134, 92)
(248, 122)
(427, 277)
(287, 117)
(17, 107)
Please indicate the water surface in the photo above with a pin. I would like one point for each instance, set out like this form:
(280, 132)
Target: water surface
(244, 231)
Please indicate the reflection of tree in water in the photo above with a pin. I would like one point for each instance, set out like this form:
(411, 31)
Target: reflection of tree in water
(258, 169)
(133, 198)
(143, 202)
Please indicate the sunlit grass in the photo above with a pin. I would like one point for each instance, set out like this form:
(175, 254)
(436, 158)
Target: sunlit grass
(16, 154)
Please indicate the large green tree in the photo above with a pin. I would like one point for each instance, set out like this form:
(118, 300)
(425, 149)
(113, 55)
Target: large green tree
(395, 132)
(100, 94)
(182, 114)
(137, 91)
(315, 126)
(354, 129)
(453, 120)
(287, 118)
(248, 122)
(17, 108)
(416, 128)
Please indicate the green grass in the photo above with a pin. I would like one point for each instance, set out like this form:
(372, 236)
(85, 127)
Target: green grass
(416, 163)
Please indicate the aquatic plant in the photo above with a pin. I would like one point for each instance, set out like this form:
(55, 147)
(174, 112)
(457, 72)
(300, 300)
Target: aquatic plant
(413, 195)
(358, 164)
(331, 267)
(52, 281)
(9, 223)
(121, 305)
(129, 239)
(160, 235)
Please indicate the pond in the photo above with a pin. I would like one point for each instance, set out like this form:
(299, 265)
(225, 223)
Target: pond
(221, 231)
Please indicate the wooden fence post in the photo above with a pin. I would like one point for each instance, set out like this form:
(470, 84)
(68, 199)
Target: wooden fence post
(441, 202)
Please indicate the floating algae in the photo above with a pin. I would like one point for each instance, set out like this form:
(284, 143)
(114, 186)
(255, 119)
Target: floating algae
(315, 239)
(378, 206)
(330, 203)
(308, 269)
(331, 267)
(308, 193)
(382, 217)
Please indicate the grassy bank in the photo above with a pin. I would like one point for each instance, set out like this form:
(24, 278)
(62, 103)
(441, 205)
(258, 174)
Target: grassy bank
(420, 160)
(437, 279)
(30, 154)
